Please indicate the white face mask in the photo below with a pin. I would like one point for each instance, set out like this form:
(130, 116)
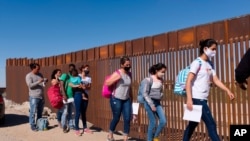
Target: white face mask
(160, 75)
(210, 53)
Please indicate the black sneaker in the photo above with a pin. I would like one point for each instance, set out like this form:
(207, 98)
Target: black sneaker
(33, 128)
(65, 129)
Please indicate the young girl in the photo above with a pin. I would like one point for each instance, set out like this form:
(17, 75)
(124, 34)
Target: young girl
(76, 83)
(152, 95)
(198, 85)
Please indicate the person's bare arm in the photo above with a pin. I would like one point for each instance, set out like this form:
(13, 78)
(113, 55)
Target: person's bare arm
(189, 81)
(113, 78)
(218, 83)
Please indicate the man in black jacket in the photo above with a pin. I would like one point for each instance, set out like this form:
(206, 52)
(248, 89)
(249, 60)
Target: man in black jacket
(242, 72)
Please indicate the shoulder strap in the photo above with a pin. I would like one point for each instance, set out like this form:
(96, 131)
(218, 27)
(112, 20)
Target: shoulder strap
(199, 60)
(150, 83)
(118, 72)
(129, 73)
(200, 63)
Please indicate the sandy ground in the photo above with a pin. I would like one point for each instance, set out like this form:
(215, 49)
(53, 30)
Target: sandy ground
(17, 128)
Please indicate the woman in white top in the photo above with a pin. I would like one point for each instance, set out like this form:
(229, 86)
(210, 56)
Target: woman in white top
(199, 80)
(85, 80)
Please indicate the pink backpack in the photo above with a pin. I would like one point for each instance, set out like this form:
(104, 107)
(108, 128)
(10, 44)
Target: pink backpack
(108, 90)
(55, 97)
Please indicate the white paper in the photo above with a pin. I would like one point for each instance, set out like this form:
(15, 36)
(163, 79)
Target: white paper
(135, 108)
(70, 100)
(194, 115)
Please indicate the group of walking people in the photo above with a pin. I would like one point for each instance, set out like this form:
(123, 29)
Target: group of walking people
(199, 80)
(198, 85)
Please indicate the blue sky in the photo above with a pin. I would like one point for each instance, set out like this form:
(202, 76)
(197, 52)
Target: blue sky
(38, 28)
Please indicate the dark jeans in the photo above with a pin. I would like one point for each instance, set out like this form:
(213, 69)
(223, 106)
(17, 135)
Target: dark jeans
(207, 118)
(59, 115)
(119, 107)
(81, 108)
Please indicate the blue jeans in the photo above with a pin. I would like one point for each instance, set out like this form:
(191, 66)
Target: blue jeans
(81, 109)
(59, 115)
(207, 118)
(36, 109)
(119, 106)
(159, 113)
(67, 118)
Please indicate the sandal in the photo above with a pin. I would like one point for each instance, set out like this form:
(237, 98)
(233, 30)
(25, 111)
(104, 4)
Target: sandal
(110, 139)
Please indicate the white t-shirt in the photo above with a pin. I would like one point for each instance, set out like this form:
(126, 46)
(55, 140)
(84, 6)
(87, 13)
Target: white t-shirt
(202, 80)
(86, 80)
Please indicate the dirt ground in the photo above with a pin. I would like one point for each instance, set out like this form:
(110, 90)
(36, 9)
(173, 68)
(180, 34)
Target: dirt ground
(17, 128)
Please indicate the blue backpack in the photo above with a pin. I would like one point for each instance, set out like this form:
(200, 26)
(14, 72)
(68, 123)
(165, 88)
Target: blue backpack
(140, 97)
(180, 83)
(42, 124)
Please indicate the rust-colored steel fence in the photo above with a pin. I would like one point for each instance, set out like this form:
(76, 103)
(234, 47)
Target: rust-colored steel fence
(176, 49)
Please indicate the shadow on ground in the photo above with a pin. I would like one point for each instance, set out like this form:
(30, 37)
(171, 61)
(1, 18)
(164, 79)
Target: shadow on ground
(95, 129)
(14, 120)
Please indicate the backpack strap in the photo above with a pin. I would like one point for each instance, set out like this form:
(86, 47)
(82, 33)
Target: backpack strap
(200, 63)
(150, 83)
(118, 72)
(150, 79)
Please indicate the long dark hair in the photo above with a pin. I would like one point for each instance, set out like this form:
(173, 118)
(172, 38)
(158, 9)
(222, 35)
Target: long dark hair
(124, 59)
(54, 73)
(153, 69)
(206, 43)
(83, 67)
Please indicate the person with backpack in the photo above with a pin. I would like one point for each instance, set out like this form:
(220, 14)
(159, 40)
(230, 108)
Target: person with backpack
(198, 85)
(69, 106)
(151, 89)
(120, 101)
(35, 82)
